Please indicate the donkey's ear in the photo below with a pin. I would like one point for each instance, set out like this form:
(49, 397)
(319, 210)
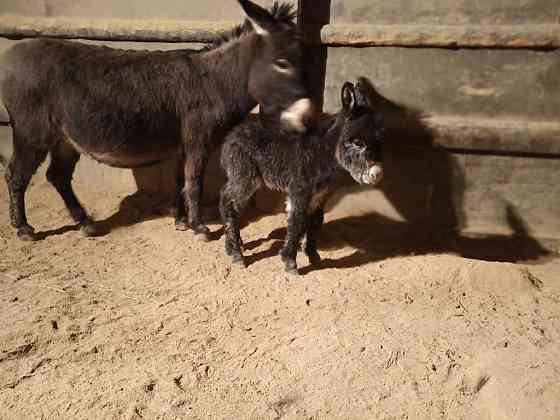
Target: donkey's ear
(263, 22)
(348, 96)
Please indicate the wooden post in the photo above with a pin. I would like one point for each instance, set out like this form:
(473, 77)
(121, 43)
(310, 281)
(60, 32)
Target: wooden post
(312, 16)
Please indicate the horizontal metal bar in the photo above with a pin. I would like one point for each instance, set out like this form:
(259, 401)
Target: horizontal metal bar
(19, 27)
(511, 136)
(541, 36)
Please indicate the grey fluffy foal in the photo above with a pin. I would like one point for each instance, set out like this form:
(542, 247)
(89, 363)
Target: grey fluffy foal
(304, 166)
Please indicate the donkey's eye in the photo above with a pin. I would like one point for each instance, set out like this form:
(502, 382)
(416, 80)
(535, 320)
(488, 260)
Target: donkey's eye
(283, 63)
(359, 143)
(283, 66)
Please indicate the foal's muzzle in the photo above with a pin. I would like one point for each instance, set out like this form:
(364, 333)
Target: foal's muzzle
(297, 113)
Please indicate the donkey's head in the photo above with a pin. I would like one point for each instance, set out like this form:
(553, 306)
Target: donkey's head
(276, 79)
(359, 148)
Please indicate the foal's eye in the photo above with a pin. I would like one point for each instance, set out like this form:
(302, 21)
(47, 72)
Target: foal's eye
(283, 66)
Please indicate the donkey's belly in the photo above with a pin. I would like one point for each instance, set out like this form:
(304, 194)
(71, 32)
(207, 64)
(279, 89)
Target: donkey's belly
(133, 160)
(133, 157)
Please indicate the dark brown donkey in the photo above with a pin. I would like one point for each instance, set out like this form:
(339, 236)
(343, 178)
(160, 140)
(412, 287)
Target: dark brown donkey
(133, 108)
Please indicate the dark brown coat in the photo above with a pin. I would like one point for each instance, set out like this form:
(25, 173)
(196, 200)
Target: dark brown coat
(134, 108)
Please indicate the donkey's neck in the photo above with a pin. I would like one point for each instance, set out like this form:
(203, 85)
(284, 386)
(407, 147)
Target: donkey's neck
(229, 68)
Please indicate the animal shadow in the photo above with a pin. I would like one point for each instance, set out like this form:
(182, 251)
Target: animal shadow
(135, 208)
(41, 235)
(375, 237)
(141, 206)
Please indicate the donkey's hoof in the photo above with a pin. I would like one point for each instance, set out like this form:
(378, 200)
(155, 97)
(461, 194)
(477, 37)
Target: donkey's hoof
(89, 230)
(26, 233)
(181, 224)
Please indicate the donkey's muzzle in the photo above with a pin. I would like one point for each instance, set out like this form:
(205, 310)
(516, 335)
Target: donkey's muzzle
(373, 174)
(297, 114)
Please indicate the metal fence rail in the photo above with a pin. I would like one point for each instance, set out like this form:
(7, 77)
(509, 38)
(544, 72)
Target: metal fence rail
(542, 36)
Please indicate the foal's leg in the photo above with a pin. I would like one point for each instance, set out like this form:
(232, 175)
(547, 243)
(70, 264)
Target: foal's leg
(315, 218)
(233, 199)
(297, 220)
(25, 160)
(63, 162)
(314, 223)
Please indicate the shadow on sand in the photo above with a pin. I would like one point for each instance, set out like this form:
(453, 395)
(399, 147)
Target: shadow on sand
(375, 237)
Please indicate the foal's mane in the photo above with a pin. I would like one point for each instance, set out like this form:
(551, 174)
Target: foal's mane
(282, 12)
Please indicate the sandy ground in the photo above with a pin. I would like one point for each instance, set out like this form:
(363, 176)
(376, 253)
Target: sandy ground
(146, 322)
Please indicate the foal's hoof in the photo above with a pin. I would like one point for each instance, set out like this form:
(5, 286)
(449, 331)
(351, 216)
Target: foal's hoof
(26, 233)
(203, 237)
(290, 267)
(292, 271)
(181, 225)
(89, 230)
(238, 259)
(202, 233)
(314, 259)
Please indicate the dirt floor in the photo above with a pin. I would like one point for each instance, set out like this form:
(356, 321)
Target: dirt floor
(146, 322)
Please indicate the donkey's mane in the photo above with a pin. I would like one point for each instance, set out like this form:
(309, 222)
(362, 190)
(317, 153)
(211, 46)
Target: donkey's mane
(282, 12)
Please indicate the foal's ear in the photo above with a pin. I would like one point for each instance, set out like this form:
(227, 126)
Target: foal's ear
(263, 22)
(348, 96)
(363, 89)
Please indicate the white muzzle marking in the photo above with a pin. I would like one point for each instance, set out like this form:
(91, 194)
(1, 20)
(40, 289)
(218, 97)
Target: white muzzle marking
(373, 175)
(295, 113)
(288, 205)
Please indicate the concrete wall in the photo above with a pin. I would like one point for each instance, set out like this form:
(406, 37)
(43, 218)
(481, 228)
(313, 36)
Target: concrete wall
(211, 10)
(475, 184)
(497, 84)
(473, 86)
(451, 12)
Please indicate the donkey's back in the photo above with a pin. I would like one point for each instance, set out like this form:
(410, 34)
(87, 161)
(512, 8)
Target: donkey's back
(120, 106)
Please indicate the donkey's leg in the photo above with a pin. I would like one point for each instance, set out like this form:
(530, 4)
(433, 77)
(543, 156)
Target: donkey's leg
(233, 200)
(314, 223)
(195, 165)
(180, 213)
(63, 162)
(23, 164)
(297, 220)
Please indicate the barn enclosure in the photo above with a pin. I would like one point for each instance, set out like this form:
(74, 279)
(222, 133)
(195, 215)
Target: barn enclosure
(438, 296)
(472, 90)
